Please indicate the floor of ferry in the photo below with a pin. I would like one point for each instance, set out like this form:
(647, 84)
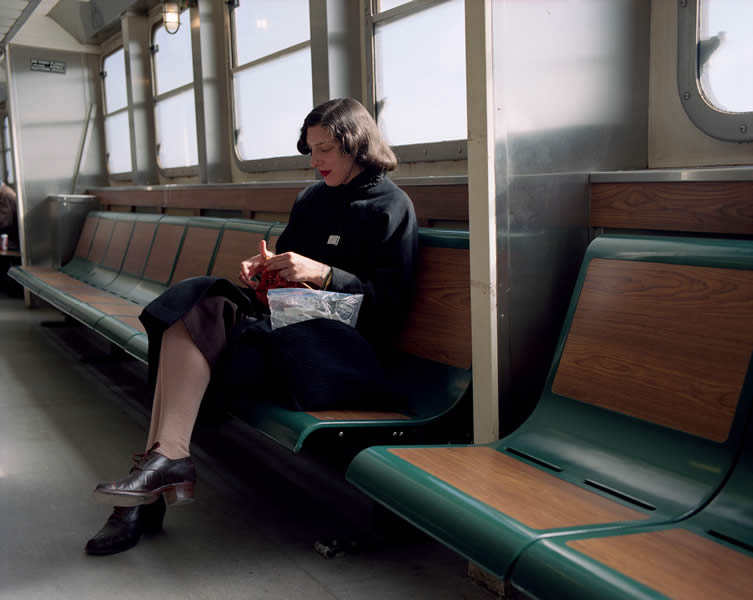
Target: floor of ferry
(71, 414)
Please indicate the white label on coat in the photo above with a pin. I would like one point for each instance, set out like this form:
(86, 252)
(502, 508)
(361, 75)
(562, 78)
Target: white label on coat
(333, 240)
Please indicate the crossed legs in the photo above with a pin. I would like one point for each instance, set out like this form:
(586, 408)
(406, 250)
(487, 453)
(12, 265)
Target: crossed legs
(182, 379)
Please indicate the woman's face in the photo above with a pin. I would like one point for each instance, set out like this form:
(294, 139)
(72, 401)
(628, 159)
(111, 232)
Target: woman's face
(328, 158)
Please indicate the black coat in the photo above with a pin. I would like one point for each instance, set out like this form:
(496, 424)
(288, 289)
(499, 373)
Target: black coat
(366, 230)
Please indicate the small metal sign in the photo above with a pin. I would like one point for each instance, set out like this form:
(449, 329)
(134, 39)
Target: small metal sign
(49, 66)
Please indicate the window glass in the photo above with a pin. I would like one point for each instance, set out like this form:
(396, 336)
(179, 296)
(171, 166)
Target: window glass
(388, 4)
(268, 123)
(173, 66)
(9, 178)
(263, 27)
(6, 132)
(118, 140)
(272, 87)
(116, 96)
(725, 53)
(420, 83)
(7, 152)
(174, 107)
(176, 130)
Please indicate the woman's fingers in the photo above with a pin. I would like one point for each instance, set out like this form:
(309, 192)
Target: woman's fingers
(294, 267)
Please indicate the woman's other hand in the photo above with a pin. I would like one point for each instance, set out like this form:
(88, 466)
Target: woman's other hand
(252, 266)
(295, 267)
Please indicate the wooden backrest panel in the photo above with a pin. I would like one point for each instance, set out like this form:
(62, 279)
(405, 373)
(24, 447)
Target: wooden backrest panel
(164, 249)
(196, 252)
(235, 247)
(675, 562)
(439, 325)
(432, 203)
(138, 249)
(121, 235)
(272, 243)
(85, 239)
(696, 206)
(669, 344)
(525, 493)
(101, 241)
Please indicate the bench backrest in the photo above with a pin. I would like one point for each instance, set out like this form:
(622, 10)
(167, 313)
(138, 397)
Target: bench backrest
(161, 250)
(665, 343)
(650, 386)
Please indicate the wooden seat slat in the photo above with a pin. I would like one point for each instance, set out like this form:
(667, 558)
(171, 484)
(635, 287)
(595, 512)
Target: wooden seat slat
(101, 242)
(138, 249)
(527, 494)
(116, 250)
(164, 250)
(675, 562)
(235, 247)
(196, 253)
(86, 237)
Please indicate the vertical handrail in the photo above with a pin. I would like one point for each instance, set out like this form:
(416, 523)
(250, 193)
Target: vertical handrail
(81, 147)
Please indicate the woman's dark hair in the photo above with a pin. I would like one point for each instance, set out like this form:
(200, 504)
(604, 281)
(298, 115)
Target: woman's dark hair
(352, 125)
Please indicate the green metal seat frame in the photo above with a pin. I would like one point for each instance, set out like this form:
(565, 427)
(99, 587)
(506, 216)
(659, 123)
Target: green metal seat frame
(432, 387)
(552, 568)
(661, 473)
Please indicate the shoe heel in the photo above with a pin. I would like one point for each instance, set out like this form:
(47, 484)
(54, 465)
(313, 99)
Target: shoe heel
(180, 493)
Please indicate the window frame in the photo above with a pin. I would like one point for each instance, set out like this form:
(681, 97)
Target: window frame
(276, 163)
(727, 126)
(420, 152)
(110, 48)
(170, 172)
(8, 151)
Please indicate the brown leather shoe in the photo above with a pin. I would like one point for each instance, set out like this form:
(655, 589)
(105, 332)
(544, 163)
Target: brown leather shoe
(152, 476)
(124, 527)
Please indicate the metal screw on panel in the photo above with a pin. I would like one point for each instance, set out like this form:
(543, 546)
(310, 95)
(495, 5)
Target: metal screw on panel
(341, 434)
(401, 433)
(743, 128)
(394, 434)
(686, 95)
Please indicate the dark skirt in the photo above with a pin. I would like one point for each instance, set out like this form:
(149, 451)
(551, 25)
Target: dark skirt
(314, 365)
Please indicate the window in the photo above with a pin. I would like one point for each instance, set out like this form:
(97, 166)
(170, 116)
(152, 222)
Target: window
(725, 54)
(715, 66)
(117, 130)
(271, 73)
(419, 84)
(174, 107)
(7, 152)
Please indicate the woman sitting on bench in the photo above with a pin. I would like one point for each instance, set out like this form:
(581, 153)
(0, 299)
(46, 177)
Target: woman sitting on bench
(353, 232)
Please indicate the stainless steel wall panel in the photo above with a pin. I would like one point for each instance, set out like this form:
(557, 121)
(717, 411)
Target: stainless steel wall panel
(576, 83)
(572, 81)
(47, 136)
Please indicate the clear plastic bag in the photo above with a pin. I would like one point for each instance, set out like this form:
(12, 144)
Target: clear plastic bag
(292, 305)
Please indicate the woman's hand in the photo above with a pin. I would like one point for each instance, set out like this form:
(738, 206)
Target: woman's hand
(251, 267)
(295, 267)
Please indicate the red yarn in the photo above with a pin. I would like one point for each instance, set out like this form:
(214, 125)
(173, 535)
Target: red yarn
(270, 280)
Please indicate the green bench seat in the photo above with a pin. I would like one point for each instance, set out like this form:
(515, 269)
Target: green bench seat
(124, 260)
(708, 555)
(640, 422)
